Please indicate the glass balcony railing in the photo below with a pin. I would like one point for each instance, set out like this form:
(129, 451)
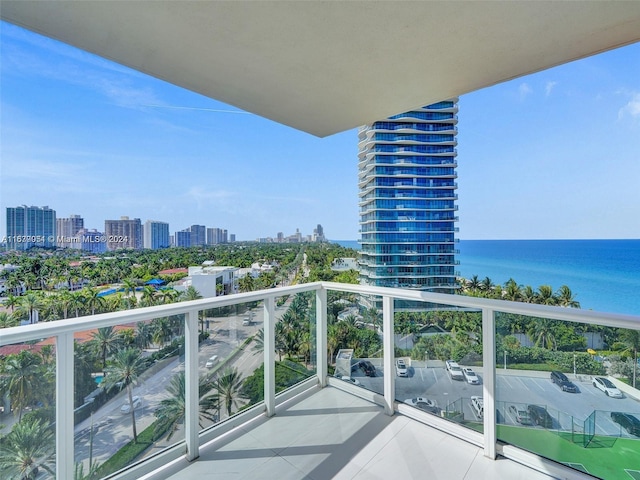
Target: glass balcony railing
(522, 380)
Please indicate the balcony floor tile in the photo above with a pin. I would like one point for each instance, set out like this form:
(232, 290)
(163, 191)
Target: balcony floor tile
(332, 434)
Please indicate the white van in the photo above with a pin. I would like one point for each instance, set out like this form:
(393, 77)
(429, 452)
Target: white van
(212, 361)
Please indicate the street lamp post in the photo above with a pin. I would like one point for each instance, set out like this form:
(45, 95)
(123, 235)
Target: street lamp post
(574, 364)
(505, 359)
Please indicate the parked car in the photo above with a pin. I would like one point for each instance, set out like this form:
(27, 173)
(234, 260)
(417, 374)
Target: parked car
(455, 372)
(415, 401)
(563, 382)
(246, 321)
(470, 376)
(477, 403)
(356, 366)
(425, 404)
(401, 368)
(352, 381)
(212, 361)
(521, 415)
(540, 416)
(627, 421)
(126, 407)
(368, 368)
(607, 387)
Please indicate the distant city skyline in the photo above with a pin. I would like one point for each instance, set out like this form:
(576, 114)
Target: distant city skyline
(152, 234)
(550, 155)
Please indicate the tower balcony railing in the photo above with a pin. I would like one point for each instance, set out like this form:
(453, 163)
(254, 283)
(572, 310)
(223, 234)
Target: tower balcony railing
(485, 417)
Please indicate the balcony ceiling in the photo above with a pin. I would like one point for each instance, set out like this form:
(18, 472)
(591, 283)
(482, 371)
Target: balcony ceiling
(327, 66)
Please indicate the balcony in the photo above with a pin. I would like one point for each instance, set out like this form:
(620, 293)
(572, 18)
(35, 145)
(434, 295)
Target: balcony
(325, 427)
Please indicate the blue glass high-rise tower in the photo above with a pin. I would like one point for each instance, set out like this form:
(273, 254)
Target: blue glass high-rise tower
(406, 172)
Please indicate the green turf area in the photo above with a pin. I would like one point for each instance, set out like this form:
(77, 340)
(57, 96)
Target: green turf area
(605, 457)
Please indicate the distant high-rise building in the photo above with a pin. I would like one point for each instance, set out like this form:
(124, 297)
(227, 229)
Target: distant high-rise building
(123, 233)
(183, 238)
(216, 236)
(407, 171)
(156, 234)
(232, 237)
(67, 229)
(318, 234)
(280, 237)
(198, 235)
(90, 241)
(30, 227)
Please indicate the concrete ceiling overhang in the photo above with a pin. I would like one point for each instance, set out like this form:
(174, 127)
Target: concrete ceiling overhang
(328, 66)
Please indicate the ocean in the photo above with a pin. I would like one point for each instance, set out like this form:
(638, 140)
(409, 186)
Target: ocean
(604, 275)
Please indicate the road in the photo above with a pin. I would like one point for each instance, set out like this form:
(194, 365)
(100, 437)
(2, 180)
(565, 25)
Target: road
(112, 429)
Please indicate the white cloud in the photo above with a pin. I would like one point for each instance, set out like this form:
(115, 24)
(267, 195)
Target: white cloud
(524, 90)
(632, 108)
(548, 87)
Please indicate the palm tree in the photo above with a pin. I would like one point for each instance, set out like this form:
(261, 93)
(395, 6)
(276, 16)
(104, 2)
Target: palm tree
(162, 331)
(30, 304)
(93, 300)
(21, 379)
(545, 295)
(191, 294)
(106, 341)
(11, 302)
(29, 447)
(373, 315)
(167, 295)
(486, 285)
(541, 331)
(512, 291)
(171, 411)
(246, 283)
(7, 320)
(565, 297)
(77, 302)
(631, 338)
(124, 369)
(64, 300)
(229, 386)
(129, 286)
(258, 338)
(528, 294)
(148, 295)
(144, 335)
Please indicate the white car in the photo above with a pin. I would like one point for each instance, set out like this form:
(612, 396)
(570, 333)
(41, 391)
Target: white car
(401, 368)
(470, 376)
(212, 361)
(352, 381)
(607, 387)
(477, 403)
(424, 404)
(415, 402)
(455, 372)
(126, 407)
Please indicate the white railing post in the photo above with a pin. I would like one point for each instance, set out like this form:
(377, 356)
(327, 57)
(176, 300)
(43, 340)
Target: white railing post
(388, 355)
(192, 390)
(65, 372)
(269, 356)
(321, 336)
(489, 381)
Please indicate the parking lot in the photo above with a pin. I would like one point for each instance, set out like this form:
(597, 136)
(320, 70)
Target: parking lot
(568, 410)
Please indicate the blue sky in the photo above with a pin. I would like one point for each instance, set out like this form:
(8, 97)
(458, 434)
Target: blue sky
(551, 155)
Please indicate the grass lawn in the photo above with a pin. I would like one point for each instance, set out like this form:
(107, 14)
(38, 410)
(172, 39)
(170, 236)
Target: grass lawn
(605, 457)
